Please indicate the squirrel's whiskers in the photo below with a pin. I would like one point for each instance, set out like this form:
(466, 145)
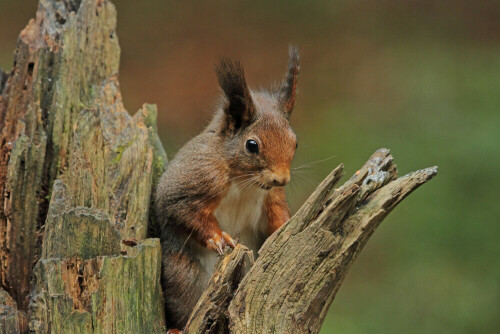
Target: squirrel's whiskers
(227, 181)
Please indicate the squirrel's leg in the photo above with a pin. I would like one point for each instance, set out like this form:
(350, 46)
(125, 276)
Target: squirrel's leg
(277, 210)
(206, 230)
(182, 286)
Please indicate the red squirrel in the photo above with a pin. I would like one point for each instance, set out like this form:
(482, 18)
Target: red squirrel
(225, 184)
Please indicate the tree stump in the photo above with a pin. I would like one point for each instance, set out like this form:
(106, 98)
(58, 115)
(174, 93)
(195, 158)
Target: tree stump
(77, 174)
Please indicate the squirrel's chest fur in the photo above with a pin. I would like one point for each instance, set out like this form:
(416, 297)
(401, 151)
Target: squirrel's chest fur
(241, 214)
(241, 210)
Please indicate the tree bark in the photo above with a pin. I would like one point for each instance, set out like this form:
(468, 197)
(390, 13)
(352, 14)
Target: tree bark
(210, 313)
(76, 177)
(301, 267)
(77, 174)
(11, 320)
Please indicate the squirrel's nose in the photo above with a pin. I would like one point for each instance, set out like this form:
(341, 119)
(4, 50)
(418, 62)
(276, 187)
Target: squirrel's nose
(280, 181)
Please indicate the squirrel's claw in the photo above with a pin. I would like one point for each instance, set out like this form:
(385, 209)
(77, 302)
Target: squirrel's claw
(214, 246)
(230, 241)
(220, 248)
(219, 241)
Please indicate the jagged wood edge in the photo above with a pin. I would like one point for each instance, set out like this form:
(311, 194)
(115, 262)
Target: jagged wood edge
(301, 267)
(210, 313)
(66, 64)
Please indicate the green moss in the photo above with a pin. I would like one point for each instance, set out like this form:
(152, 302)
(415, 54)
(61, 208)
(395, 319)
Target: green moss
(120, 149)
(150, 115)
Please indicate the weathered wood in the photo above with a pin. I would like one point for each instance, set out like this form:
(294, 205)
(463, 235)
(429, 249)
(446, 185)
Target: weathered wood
(11, 319)
(107, 294)
(78, 290)
(61, 116)
(210, 313)
(60, 56)
(76, 178)
(83, 232)
(301, 266)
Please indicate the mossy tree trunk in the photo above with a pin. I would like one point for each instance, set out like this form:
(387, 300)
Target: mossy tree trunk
(76, 177)
(77, 174)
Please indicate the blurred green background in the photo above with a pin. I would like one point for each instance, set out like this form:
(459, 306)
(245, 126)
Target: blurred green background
(419, 77)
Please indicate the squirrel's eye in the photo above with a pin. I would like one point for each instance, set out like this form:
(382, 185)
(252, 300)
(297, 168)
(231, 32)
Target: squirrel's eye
(252, 146)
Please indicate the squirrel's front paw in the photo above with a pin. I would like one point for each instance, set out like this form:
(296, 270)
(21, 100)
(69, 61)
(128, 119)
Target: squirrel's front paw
(219, 241)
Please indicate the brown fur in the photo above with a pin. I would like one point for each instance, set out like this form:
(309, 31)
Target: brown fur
(206, 169)
(277, 211)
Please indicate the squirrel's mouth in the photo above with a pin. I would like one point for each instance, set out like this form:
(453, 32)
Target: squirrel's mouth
(263, 186)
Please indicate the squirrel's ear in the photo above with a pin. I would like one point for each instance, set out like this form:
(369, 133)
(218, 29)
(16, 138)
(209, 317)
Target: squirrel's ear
(289, 86)
(239, 108)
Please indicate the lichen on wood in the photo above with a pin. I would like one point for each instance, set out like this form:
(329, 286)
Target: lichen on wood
(11, 319)
(106, 294)
(62, 117)
(76, 175)
(77, 231)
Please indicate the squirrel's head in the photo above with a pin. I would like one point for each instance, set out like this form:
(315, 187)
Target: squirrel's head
(258, 139)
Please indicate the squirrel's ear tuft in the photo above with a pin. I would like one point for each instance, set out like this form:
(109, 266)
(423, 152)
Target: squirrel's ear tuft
(239, 107)
(289, 86)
